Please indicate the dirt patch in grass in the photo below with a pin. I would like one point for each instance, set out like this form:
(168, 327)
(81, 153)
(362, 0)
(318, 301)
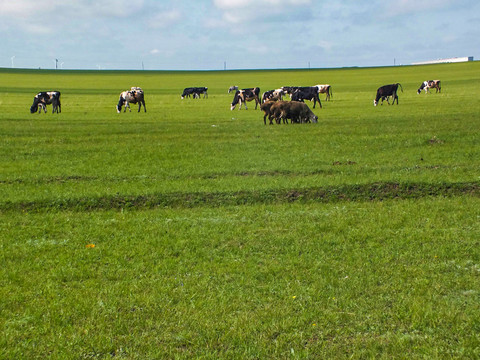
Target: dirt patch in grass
(360, 192)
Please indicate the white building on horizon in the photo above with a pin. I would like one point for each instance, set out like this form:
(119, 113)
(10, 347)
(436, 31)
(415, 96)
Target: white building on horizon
(443, 61)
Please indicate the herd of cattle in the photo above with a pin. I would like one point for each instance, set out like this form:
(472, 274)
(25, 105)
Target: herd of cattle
(271, 101)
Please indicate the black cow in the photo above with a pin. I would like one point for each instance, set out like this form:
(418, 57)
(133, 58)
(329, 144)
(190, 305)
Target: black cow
(244, 95)
(385, 91)
(307, 93)
(45, 98)
(195, 92)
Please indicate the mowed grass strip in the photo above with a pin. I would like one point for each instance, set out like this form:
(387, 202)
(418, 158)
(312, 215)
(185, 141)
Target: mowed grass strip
(363, 192)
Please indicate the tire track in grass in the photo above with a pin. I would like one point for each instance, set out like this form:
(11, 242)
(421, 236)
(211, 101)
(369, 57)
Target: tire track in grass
(345, 193)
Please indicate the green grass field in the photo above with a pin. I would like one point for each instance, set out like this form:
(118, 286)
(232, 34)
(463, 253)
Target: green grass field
(192, 231)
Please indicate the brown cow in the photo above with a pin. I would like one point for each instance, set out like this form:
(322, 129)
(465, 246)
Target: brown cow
(266, 108)
(297, 112)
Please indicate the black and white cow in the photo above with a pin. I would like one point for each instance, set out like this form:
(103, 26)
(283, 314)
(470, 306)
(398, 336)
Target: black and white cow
(307, 93)
(244, 95)
(385, 91)
(325, 89)
(289, 89)
(134, 95)
(430, 84)
(232, 88)
(195, 92)
(273, 95)
(46, 98)
(40, 106)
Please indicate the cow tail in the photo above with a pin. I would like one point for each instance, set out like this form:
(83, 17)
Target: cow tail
(330, 91)
(400, 86)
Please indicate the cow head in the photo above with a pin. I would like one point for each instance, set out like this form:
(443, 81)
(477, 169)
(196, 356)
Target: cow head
(121, 100)
(238, 96)
(375, 102)
(120, 104)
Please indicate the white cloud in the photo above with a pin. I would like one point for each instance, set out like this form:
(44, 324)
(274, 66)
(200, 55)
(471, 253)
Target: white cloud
(244, 11)
(325, 45)
(164, 19)
(232, 4)
(238, 4)
(403, 7)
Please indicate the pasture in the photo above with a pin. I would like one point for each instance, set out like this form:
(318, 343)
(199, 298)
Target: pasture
(193, 231)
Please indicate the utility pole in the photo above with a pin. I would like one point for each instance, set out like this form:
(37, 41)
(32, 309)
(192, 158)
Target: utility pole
(13, 57)
(56, 64)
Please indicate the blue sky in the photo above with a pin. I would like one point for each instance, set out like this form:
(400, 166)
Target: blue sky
(246, 34)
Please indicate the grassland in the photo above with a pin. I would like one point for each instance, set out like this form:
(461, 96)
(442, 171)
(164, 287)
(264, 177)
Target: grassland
(193, 231)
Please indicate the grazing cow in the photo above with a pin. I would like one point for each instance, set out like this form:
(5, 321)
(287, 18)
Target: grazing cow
(307, 93)
(232, 88)
(41, 106)
(430, 84)
(134, 96)
(195, 92)
(385, 91)
(45, 98)
(244, 95)
(266, 107)
(325, 89)
(289, 90)
(297, 112)
(276, 111)
(273, 95)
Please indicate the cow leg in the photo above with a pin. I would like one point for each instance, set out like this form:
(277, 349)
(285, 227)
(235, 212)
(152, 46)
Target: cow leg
(270, 118)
